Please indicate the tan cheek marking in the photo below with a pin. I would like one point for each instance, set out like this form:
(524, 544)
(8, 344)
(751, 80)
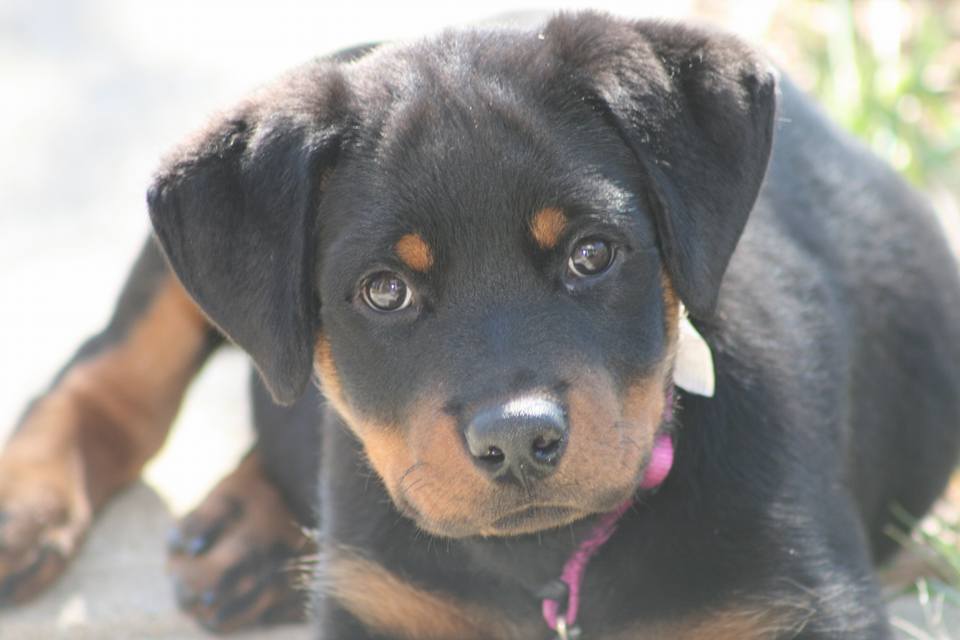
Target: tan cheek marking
(458, 491)
(547, 226)
(594, 441)
(645, 398)
(426, 466)
(671, 307)
(645, 401)
(329, 377)
(391, 606)
(444, 486)
(414, 251)
(453, 489)
(388, 454)
(385, 447)
(610, 435)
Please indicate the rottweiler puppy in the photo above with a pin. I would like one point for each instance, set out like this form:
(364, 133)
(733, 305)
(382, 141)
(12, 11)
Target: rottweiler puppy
(482, 245)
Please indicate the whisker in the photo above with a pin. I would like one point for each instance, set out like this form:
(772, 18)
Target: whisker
(409, 470)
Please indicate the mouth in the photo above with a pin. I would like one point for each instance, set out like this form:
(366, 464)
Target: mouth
(587, 487)
(535, 518)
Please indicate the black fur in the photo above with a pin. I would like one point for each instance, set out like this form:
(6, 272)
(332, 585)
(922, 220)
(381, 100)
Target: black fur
(835, 323)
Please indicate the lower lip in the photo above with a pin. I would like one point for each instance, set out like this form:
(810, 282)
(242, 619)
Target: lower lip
(543, 517)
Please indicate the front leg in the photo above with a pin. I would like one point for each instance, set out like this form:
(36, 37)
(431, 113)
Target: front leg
(241, 558)
(90, 434)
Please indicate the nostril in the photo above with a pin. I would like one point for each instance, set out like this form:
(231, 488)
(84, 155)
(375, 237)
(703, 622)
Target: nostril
(546, 449)
(493, 456)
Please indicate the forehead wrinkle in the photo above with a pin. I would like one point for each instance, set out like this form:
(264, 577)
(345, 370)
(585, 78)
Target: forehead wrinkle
(445, 115)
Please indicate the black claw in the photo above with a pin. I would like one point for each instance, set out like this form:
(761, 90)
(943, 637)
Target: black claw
(178, 542)
(191, 544)
(209, 597)
(268, 571)
(201, 543)
(237, 603)
(185, 594)
(195, 538)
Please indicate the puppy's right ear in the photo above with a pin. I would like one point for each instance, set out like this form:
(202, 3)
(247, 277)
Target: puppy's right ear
(236, 212)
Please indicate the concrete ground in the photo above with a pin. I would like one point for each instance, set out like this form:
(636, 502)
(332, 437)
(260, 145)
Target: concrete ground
(94, 92)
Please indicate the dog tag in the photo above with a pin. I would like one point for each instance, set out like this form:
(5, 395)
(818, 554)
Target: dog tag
(566, 633)
(693, 368)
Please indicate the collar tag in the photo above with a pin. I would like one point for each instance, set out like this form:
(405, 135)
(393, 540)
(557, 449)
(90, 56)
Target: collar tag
(565, 632)
(693, 369)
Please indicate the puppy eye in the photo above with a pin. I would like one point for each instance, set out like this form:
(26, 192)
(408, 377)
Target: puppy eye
(591, 257)
(386, 291)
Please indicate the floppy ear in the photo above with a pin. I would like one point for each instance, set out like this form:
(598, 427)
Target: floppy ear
(697, 109)
(235, 210)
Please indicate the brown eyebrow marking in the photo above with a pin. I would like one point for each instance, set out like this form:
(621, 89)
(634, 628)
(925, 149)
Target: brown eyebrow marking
(547, 226)
(414, 251)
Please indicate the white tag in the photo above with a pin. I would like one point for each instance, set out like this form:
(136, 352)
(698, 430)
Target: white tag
(693, 367)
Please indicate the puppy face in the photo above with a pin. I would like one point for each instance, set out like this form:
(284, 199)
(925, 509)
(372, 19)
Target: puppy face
(478, 243)
(487, 263)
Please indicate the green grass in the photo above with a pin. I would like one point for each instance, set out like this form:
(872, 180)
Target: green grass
(937, 595)
(892, 83)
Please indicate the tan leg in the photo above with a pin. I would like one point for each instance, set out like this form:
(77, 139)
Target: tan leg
(91, 433)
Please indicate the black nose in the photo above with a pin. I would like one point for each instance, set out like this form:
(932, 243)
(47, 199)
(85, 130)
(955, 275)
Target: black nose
(523, 439)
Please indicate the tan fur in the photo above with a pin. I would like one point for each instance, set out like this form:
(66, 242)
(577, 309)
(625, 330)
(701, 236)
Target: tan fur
(329, 377)
(387, 604)
(414, 251)
(764, 622)
(110, 413)
(671, 308)
(547, 227)
(91, 434)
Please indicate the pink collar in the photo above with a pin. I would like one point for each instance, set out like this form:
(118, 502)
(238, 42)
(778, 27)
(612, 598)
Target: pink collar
(661, 461)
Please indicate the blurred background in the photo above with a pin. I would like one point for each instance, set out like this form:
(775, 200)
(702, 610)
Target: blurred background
(95, 91)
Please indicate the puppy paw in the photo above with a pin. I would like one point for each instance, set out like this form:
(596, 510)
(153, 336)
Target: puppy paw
(237, 559)
(44, 515)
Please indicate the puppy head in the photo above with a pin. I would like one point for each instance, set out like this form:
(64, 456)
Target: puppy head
(479, 244)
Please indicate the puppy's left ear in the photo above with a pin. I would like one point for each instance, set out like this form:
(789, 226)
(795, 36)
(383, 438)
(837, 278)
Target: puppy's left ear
(697, 109)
